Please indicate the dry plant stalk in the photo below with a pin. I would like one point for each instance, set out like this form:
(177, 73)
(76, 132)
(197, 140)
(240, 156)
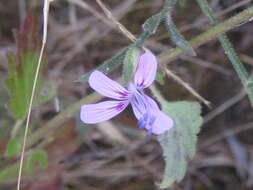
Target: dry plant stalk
(45, 23)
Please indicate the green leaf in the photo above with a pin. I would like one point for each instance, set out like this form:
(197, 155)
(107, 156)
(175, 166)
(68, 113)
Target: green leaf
(130, 63)
(19, 82)
(152, 23)
(108, 65)
(179, 143)
(13, 148)
(177, 37)
(160, 75)
(10, 173)
(37, 157)
(22, 66)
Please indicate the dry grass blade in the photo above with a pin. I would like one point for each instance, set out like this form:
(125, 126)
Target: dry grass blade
(226, 105)
(45, 14)
(119, 25)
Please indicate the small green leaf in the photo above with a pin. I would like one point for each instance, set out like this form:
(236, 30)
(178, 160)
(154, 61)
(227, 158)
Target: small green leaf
(130, 63)
(9, 173)
(19, 82)
(179, 143)
(13, 148)
(152, 23)
(178, 38)
(37, 157)
(108, 65)
(160, 75)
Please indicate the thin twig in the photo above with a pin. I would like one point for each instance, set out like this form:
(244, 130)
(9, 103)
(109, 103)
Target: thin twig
(187, 87)
(121, 27)
(45, 13)
(220, 136)
(232, 101)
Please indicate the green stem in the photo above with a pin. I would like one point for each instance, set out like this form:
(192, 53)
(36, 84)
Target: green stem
(229, 51)
(229, 24)
(53, 124)
(16, 128)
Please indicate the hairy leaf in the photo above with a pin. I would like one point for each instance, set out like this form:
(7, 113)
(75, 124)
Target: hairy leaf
(152, 23)
(177, 37)
(22, 66)
(179, 143)
(130, 63)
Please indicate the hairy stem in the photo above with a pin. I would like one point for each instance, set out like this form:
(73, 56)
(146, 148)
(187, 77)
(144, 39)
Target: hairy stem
(243, 17)
(229, 51)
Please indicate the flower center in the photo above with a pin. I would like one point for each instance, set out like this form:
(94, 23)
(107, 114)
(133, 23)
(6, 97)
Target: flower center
(143, 106)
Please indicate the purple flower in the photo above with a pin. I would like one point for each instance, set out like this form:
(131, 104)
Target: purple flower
(145, 108)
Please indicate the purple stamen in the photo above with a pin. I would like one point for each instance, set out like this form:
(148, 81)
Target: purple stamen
(142, 123)
(150, 132)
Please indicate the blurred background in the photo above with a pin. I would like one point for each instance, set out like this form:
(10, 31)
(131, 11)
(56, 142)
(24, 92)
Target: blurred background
(116, 154)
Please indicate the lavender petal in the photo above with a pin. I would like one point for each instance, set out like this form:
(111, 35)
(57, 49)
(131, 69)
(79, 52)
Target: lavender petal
(103, 111)
(107, 87)
(146, 70)
(157, 121)
(162, 123)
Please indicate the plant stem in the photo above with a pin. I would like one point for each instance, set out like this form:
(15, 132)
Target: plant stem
(243, 17)
(16, 127)
(53, 124)
(229, 51)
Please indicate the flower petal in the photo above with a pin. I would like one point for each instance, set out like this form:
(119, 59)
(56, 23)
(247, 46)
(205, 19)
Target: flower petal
(107, 87)
(146, 70)
(96, 113)
(141, 104)
(150, 117)
(162, 123)
(138, 108)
